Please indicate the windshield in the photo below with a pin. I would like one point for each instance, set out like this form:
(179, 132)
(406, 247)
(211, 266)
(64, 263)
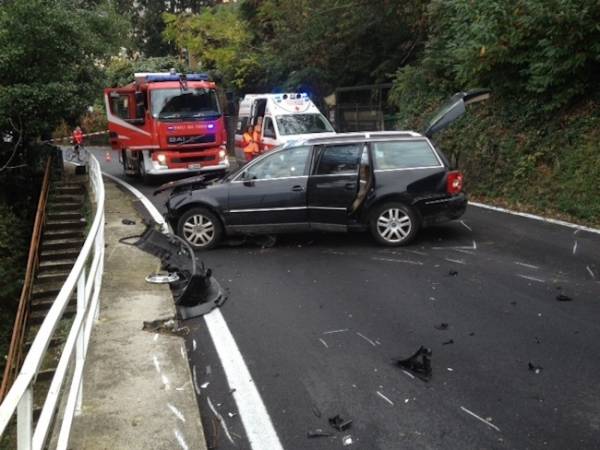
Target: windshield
(178, 104)
(303, 124)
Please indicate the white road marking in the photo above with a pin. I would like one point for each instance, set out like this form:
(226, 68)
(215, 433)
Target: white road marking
(177, 413)
(465, 225)
(575, 247)
(527, 277)
(590, 271)
(366, 339)
(529, 266)
(457, 261)
(181, 440)
(406, 261)
(535, 217)
(385, 398)
(324, 343)
(222, 421)
(335, 331)
(488, 423)
(253, 412)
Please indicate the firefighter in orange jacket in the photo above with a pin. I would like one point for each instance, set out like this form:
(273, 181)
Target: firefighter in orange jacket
(249, 144)
(256, 134)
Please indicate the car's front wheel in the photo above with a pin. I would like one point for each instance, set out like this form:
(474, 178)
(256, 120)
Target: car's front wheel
(394, 224)
(201, 228)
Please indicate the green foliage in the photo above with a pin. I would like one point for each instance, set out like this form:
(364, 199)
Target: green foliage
(120, 70)
(217, 40)
(49, 60)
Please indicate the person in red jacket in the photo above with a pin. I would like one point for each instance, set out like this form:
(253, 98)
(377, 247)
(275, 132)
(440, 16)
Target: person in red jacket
(77, 138)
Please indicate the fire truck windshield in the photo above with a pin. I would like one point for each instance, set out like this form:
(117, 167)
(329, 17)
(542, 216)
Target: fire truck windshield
(290, 124)
(195, 103)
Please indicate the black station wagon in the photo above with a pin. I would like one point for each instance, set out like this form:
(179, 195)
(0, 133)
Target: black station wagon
(390, 183)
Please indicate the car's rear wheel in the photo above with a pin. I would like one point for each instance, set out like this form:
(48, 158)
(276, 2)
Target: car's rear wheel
(201, 228)
(394, 224)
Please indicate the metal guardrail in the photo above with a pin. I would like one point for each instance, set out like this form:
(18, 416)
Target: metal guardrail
(15, 351)
(19, 399)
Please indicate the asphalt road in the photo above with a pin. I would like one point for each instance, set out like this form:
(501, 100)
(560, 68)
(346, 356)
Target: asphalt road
(320, 319)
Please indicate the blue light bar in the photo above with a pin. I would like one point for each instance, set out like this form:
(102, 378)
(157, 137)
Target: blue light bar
(177, 77)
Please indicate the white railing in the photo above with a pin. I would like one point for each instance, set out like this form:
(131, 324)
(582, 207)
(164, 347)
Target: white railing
(19, 399)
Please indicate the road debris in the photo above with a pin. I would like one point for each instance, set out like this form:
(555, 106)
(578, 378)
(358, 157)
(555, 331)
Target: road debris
(452, 272)
(335, 331)
(590, 271)
(563, 298)
(128, 222)
(419, 363)
(448, 342)
(316, 411)
(534, 368)
(165, 326)
(385, 398)
(317, 433)
(232, 415)
(441, 326)
(205, 384)
(456, 261)
(527, 277)
(339, 424)
(324, 343)
(487, 422)
(366, 339)
(347, 440)
(220, 419)
(529, 266)
(575, 247)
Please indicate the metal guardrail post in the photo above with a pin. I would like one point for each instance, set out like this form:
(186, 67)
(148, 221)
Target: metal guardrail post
(25, 420)
(81, 347)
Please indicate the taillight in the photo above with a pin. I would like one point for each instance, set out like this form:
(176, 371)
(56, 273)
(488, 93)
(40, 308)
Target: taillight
(455, 182)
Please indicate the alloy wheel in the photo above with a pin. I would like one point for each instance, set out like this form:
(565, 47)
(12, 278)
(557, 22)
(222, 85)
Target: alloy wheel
(199, 230)
(393, 225)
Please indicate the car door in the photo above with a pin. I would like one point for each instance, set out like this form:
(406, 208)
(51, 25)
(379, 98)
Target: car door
(334, 183)
(271, 192)
(269, 136)
(454, 109)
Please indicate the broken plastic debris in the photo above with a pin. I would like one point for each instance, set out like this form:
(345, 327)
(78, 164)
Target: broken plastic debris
(128, 222)
(563, 298)
(449, 341)
(339, 424)
(162, 277)
(347, 440)
(230, 414)
(419, 363)
(317, 433)
(535, 368)
(165, 326)
(204, 385)
(441, 326)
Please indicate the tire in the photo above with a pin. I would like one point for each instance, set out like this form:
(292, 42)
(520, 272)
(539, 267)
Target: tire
(142, 169)
(201, 228)
(393, 224)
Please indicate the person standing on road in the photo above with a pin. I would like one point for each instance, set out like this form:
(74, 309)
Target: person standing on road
(256, 135)
(248, 143)
(77, 138)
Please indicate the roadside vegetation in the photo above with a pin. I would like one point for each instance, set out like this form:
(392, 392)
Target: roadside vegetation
(534, 145)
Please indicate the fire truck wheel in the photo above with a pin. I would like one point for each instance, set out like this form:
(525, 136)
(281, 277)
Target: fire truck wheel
(200, 228)
(142, 169)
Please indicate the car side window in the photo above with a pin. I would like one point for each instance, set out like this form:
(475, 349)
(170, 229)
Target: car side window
(286, 163)
(405, 154)
(339, 159)
(269, 131)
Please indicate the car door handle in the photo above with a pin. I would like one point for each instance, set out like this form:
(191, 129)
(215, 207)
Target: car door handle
(297, 188)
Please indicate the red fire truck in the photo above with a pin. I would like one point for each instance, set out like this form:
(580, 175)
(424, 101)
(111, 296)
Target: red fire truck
(167, 123)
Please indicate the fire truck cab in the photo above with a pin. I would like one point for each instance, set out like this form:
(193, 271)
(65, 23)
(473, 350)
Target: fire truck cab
(167, 123)
(281, 117)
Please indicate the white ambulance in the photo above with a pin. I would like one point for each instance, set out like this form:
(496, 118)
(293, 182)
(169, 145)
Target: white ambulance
(284, 117)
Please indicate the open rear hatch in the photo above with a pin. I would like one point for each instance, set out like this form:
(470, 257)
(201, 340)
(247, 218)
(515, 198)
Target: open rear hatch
(454, 108)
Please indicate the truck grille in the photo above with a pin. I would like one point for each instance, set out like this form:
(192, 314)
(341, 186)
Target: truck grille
(191, 140)
(192, 159)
